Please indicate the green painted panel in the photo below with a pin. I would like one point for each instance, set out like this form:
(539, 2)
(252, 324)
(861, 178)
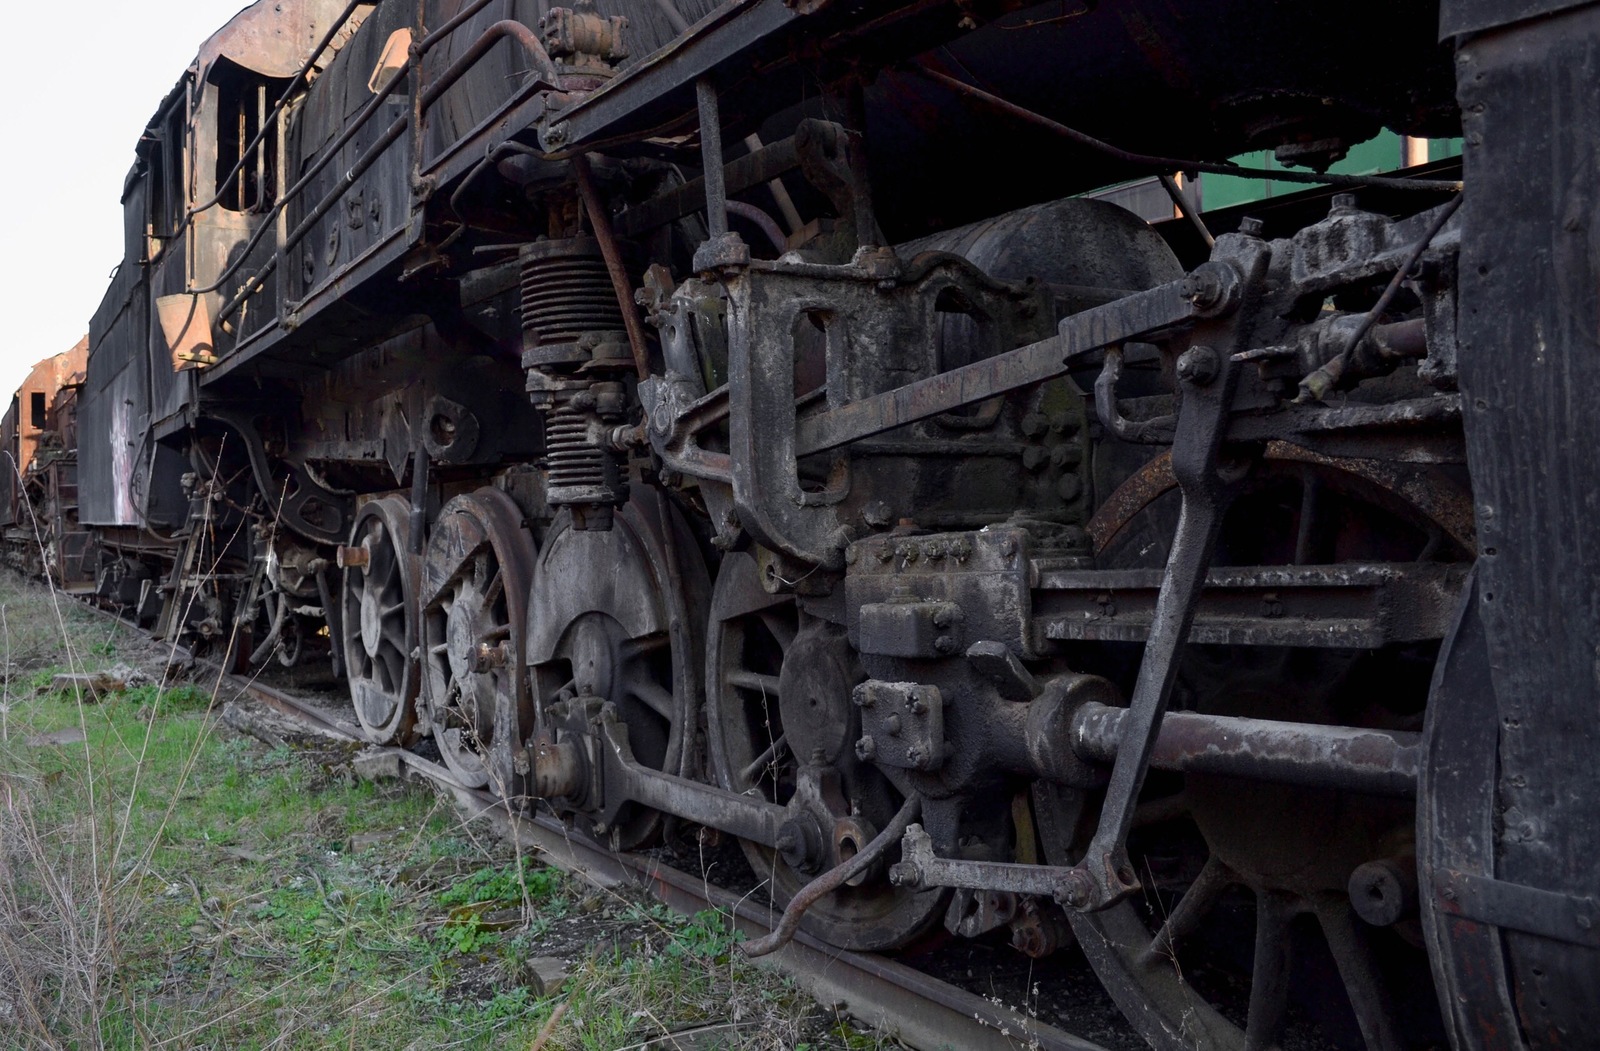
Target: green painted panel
(1379, 154)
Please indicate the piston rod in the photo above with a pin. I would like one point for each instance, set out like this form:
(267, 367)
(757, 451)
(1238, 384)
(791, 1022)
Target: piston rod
(1379, 762)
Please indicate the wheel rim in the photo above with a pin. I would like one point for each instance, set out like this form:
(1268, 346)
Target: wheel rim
(1212, 850)
(750, 636)
(474, 617)
(617, 614)
(378, 599)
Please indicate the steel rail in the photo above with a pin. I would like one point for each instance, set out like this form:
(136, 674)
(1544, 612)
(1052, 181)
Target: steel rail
(920, 1010)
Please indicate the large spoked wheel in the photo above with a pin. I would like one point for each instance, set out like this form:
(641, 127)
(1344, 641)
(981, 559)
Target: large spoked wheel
(617, 615)
(380, 582)
(474, 613)
(1246, 936)
(778, 686)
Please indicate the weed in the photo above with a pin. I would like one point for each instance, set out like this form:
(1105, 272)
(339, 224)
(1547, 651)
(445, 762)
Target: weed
(510, 884)
(163, 886)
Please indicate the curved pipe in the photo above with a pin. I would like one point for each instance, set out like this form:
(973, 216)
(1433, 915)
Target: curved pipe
(1159, 429)
(263, 651)
(768, 225)
(833, 879)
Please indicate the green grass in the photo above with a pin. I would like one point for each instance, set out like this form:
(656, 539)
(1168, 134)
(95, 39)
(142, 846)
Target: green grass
(166, 884)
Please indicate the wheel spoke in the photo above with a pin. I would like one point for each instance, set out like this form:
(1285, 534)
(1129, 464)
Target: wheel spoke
(494, 588)
(774, 750)
(1215, 877)
(629, 649)
(1358, 969)
(1269, 977)
(656, 697)
(767, 685)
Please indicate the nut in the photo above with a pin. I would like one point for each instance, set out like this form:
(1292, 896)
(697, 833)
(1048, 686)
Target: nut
(1198, 365)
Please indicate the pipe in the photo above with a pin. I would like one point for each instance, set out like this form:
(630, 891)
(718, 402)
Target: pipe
(600, 223)
(261, 652)
(768, 225)
(711, 159)
(335, 618)
(833, 879)
(1187, 209)
(739, 174)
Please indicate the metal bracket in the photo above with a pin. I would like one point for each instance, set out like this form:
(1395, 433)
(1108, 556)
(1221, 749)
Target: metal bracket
(299, 501)
(1514, 906)
(1207, 377)
(919, 867)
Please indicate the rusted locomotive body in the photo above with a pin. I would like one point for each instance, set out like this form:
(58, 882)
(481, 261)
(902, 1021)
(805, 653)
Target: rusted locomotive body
(39, 497)
(728, 415)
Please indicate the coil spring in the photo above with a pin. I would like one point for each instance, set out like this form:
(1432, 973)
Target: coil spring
(566, 292)
(577, 468)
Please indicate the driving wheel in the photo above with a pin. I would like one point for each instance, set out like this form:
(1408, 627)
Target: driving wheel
(379, 594)
(780, 722)
(616, 615)
(474, 611)
(1273, 914)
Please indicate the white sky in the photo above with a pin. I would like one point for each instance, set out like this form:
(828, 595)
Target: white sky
(77, 85)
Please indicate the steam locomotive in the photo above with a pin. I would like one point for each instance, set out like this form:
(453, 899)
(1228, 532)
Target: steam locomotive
(751, 416)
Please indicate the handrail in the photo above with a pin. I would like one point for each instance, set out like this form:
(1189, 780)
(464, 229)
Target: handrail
(417, 51)
(505, 29)
(283, 100)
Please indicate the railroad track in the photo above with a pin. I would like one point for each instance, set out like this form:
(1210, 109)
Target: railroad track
(923, 1011)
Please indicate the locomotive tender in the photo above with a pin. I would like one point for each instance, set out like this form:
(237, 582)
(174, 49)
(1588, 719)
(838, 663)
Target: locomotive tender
(738, 416)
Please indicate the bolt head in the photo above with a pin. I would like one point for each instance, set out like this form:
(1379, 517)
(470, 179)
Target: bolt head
(866, 748)
(1198, 365)
(1074, 891)
(945, 645)
(1251, 226)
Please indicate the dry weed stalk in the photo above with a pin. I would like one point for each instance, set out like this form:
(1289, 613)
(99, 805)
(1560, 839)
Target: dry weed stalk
(63, 903)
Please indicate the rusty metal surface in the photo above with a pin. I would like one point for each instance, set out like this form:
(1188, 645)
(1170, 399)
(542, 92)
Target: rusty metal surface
(1340, 757)
(1365, 606)
(889, 457)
